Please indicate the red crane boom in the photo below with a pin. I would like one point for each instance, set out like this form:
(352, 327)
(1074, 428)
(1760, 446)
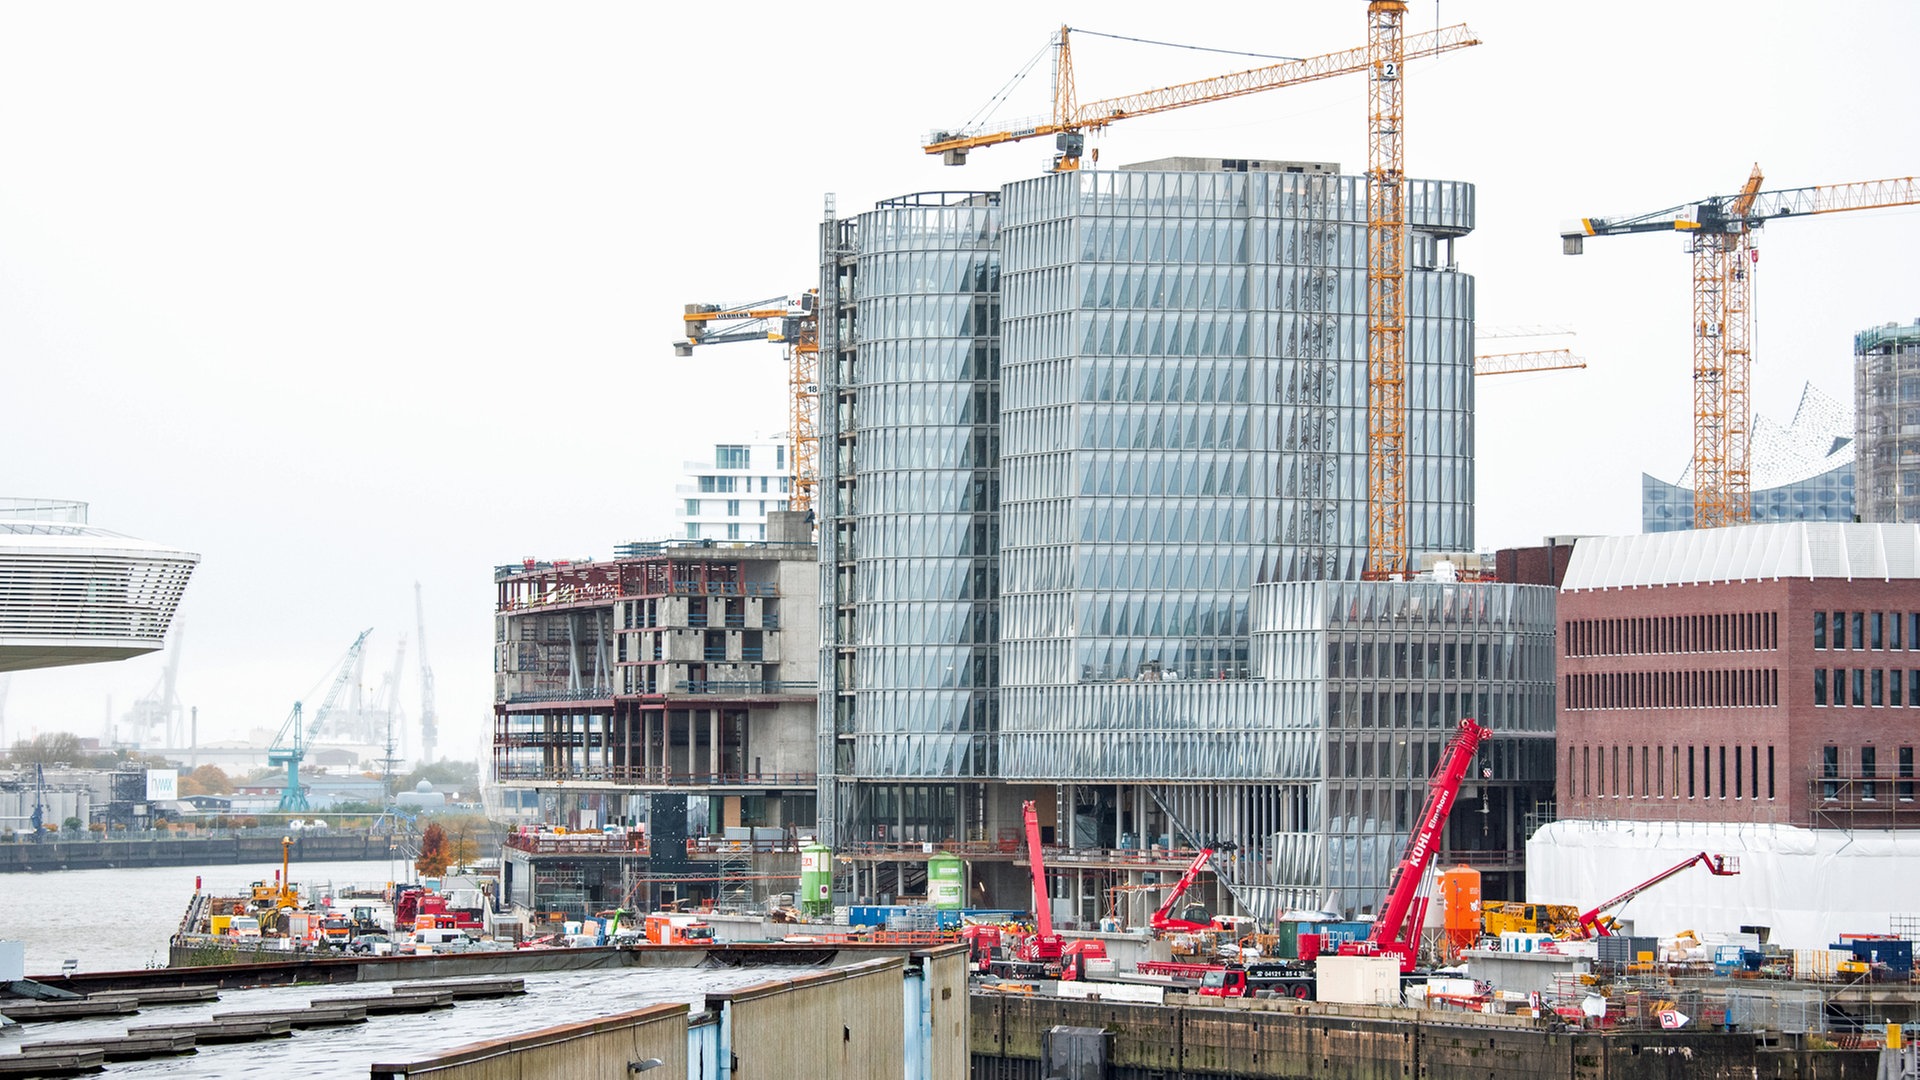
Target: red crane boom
(1591, 924)
(1397, 930)
(1043, 944)
(1163, 920)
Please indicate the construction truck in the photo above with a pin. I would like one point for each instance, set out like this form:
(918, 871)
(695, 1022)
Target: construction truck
(674, 928)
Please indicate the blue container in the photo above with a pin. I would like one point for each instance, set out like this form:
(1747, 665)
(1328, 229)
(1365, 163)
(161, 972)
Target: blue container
(1896, 954)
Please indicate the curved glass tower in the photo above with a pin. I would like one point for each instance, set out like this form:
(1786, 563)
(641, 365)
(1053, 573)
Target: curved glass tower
(910, 527)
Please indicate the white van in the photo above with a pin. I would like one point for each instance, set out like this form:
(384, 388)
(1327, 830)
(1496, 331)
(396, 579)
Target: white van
(438, 939)
(245, 926)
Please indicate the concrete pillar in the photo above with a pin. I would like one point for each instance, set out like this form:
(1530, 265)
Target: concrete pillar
(713, 742)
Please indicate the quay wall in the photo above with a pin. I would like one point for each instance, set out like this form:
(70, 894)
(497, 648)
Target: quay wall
(1296, 1041)
(89, 854)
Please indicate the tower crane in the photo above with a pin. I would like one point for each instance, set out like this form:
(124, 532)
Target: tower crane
(349, 664)
(1383, 58)
(794, 322)
(1071, 122)
(1719, 234)
(429, 720)
(1514, 363)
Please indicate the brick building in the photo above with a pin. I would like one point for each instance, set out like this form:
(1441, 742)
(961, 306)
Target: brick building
(1768, 673)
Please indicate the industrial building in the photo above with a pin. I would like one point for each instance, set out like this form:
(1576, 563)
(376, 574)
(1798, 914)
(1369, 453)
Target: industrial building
(666, 695)
(1803, 471)
(1886, 394)
(1072, 428)
(1743, 690)
(74, 593)
(730, 496)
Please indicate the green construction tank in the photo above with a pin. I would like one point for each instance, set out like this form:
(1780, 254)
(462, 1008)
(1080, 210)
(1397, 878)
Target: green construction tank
(816, 879)
(946, 881)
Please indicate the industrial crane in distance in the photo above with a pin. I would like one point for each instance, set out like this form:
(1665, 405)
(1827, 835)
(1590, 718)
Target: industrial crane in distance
(1720, 238)
(289, 747)
(793, 322)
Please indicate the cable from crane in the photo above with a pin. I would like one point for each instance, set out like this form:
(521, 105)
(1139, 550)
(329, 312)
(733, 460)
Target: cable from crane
(1178, 45)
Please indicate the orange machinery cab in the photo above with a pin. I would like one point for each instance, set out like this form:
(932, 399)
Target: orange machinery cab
(670, 928)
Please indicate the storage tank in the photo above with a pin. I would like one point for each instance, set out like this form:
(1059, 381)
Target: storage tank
(816, 879)
(946, 881)
(1460, 907)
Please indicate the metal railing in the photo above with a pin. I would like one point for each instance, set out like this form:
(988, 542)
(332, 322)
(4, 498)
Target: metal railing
(654, 775)
(746, 686)
(580, 693)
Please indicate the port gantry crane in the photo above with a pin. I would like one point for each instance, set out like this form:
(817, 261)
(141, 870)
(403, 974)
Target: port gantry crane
(429, 720)
(794, 322)
(1720, 238)
(289, 747)
(1383, 58)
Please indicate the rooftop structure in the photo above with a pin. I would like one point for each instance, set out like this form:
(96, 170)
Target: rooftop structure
(1801, 472)
(74, 593)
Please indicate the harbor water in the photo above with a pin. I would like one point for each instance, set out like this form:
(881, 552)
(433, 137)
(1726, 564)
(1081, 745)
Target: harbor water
(120, 920)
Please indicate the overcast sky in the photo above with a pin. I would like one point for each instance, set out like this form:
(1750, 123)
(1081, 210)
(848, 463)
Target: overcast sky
(346, 296)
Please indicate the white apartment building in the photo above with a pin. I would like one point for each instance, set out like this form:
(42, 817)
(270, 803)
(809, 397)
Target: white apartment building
(728, 496)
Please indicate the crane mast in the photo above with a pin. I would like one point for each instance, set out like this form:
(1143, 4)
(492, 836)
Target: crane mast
(1386, 292)
(429, 720)
(1043, 944)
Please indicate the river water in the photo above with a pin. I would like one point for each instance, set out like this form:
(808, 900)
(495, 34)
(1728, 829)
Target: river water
(120, 920)
(117, 920)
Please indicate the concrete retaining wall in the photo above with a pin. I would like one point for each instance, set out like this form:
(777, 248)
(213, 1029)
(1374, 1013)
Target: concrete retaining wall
(23, 856)
(1328, 1043)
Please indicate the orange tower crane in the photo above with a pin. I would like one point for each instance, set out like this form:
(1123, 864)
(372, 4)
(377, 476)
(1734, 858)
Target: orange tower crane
(1720, 238)
(1071, 122)
(794, 322)
(1514, 363)
(1386, 291)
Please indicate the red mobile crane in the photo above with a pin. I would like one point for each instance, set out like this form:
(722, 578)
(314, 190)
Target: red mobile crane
(1592, 924)
(1397, 930)
(1162, 920)
(1043, 945)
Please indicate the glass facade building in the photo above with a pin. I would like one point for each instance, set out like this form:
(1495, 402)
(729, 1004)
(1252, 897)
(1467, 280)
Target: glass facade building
(1098, 479)
(909, 521)
(1385, 671)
